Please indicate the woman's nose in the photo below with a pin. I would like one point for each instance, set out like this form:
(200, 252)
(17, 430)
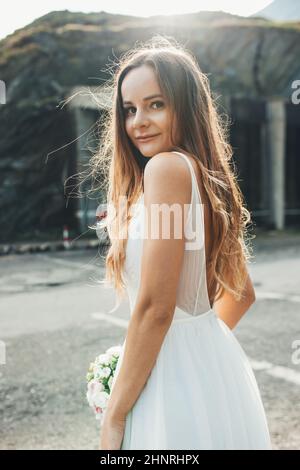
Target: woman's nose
(140, 118)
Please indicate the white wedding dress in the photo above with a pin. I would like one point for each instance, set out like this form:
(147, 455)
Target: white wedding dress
(201, 392)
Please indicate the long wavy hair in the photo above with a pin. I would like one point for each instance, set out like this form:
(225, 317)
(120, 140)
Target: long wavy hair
(204, 133)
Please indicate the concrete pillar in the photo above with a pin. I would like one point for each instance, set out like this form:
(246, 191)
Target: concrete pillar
(265, 173)
(84, 147)
(276, 123)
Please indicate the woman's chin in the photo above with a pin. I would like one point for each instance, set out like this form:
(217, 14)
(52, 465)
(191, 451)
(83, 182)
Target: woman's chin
(151, 150)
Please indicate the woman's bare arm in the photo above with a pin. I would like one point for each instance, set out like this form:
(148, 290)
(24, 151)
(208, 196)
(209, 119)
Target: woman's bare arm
(165, 183)
(146, 331)
(230, 310)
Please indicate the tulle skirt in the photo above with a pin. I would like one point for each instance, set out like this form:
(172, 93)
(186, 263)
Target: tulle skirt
(200, 394)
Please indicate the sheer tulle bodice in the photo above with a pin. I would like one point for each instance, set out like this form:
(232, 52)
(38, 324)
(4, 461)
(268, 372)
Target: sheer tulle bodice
(192, 295)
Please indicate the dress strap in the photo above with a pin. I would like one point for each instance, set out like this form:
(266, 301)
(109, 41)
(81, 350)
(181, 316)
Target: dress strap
(194, 179)
(194, 203)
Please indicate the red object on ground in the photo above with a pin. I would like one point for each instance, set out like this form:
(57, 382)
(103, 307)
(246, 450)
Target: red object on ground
(101, 215)
(66, 237)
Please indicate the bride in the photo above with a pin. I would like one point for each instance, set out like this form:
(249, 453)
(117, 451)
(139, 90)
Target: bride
(183, 380)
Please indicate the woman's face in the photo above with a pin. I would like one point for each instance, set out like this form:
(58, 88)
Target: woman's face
(146, 111)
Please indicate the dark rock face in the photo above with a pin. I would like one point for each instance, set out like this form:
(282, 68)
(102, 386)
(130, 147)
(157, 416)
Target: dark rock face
(40, 63)
(31, 189)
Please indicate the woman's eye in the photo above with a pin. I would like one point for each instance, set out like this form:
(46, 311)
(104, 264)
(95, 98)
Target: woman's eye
(132, 107)
(155, 102)
(126, 110)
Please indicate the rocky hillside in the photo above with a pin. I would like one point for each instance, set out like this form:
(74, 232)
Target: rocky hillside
(41, 62)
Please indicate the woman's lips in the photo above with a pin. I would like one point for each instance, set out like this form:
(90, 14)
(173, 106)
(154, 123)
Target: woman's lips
(148, 138)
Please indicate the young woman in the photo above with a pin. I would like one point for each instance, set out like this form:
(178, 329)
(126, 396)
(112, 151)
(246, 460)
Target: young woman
(182, 380)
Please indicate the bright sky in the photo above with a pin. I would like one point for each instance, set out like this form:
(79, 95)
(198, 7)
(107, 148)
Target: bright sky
(16, 14)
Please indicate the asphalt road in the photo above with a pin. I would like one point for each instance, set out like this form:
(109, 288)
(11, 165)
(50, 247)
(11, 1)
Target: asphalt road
(54, 321)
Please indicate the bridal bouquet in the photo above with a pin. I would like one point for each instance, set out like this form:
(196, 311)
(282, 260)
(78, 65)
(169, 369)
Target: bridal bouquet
(99, 380)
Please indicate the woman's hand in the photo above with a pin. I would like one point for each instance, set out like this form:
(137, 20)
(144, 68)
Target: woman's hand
(112, 432)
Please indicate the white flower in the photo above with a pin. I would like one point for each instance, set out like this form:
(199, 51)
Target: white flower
(101, 399)
(113, 354)
(102, 372)
(103, 359)
(98, 371)
(114, 351)
(89, 376)
(91, 368)
(94, 388)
